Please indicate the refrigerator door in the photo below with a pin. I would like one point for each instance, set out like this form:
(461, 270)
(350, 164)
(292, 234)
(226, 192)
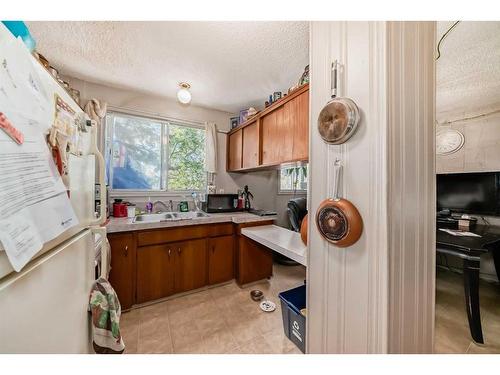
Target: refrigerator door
(44, 308)
(81, 168)
(82, 186)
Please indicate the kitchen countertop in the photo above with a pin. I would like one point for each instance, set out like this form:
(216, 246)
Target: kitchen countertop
(124, 224)
(281, 240)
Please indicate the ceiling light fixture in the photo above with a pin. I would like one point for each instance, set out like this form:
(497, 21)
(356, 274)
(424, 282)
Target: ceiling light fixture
(183, 95)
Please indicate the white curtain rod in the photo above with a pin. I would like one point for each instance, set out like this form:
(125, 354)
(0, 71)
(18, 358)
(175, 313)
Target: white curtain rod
(157, 116)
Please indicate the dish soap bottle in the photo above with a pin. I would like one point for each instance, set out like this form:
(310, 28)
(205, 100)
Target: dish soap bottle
(149, 206)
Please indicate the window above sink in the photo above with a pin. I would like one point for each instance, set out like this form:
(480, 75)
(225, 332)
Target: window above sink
(149, 155)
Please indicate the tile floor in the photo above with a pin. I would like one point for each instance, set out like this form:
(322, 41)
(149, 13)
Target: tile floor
(220, 320)
(452, 333)
(225, 320)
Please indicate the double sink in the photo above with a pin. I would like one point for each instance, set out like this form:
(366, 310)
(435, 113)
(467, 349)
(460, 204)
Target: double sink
(169, 216)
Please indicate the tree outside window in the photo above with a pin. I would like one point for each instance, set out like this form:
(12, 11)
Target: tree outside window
(150, 155)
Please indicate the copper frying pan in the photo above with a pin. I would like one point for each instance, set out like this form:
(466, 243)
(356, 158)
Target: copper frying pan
(337, 219)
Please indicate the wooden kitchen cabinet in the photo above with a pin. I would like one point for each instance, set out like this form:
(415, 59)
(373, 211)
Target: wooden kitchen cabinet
(155, 272)
(255, 261)
(297, 111)
(276, 140)
(121, 276)
(176, 267)
(190, 265)
(220, 259)
(152, 264)
(277, 135)
(250, 152)
(235, 150)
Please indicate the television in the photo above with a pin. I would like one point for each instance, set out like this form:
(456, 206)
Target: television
(470, 193)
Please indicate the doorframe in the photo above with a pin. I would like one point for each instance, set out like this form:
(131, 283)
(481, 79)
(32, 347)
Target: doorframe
(372, 297)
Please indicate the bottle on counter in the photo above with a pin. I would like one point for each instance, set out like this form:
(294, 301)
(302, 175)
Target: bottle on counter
(149, 206)
(240, 200)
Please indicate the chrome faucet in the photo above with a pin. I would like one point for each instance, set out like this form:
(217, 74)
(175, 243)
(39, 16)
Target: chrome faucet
(162, 203)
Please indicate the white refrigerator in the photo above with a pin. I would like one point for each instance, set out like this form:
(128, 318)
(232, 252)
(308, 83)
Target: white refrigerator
(44, 306)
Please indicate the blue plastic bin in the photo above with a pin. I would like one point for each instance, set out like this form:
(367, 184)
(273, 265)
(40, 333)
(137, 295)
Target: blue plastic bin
(294, 323)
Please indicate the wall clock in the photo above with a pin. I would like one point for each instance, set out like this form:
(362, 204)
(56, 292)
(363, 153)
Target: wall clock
(449, 141)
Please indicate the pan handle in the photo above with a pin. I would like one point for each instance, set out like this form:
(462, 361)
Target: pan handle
(337, 168)
(334, 79)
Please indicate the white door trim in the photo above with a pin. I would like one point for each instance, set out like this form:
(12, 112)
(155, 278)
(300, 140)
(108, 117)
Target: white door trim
(349, 306)
(412, 207)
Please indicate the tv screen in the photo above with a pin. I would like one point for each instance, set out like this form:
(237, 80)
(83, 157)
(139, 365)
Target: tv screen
(474, 193)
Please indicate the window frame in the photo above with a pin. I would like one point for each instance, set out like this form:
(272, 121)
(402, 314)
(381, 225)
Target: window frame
(165, 130)
(292, 191)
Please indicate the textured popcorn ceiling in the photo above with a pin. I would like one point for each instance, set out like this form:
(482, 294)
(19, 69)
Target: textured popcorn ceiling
(230, 65)
(468, 71)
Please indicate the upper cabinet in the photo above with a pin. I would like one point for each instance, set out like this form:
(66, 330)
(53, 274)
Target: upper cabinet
(299, 116)
(250, 154)
(234, 150)
(277, 135)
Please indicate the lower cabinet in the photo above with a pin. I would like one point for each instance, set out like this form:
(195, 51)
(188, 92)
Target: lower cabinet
(220, 259)
(163, 270)
(155, 272)
(145, 268)
(121, 275)
(255, 261)
(190, 265)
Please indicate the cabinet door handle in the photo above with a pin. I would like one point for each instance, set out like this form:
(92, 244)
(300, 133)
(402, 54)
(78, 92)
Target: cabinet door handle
(179, 250)
(126, 250)
(169, 252)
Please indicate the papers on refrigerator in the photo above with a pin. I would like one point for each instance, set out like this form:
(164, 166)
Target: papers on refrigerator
(34, 206)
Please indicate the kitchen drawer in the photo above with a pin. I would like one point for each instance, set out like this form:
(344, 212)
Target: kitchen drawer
(159, 236)
(222, 229)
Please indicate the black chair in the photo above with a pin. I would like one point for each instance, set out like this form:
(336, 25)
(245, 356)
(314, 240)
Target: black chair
(296, 209)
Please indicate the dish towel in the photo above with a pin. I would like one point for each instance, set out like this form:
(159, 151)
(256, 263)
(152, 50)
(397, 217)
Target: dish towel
(106, 310)
(96, 110)
(210, 149)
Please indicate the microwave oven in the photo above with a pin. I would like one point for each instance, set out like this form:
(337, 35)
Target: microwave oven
(221, 203)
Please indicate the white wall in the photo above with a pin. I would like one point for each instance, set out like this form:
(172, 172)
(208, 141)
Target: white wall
(412, 187)
(468, 100)
(376, 296)
(481, 150)
(468, 94)
(347, 287)
(262, 184)
(141, 101)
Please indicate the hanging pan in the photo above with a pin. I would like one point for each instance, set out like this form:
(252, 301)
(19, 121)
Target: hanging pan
(337, 219)
(339, 118)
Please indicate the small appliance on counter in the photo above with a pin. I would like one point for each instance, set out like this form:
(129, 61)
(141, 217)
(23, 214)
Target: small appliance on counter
(119, 208)
(221, 203)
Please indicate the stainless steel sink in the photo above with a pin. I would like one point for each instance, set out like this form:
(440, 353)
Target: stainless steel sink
(189, 215)
(201, 214)
(169, 216)
(154, 217)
